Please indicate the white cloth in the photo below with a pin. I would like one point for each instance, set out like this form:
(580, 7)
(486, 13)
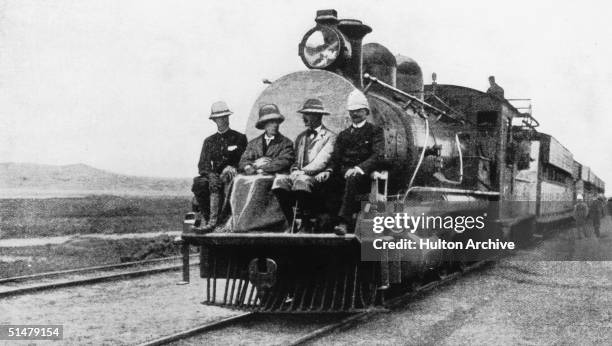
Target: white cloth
(268, 139)
(318, 130)
(360, 125)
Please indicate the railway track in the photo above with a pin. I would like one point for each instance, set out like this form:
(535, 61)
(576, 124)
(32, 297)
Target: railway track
(393, 303)
(18, 285)
(207, 327)
(342, 322)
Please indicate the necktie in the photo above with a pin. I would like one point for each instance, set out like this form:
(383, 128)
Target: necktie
(310, 135)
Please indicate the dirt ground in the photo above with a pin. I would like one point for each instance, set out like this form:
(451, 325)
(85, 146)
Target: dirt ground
(115, 313)
(521, 300)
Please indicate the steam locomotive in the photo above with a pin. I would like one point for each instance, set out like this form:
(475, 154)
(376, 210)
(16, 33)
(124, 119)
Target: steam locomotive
(449, 150)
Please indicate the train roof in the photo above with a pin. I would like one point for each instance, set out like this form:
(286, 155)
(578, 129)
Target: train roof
(464, 91)
(555, 153)
(585, 173)
(468, 103)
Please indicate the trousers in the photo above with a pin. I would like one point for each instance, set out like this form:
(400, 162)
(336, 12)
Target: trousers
(352, 195)
(203, 186)
(301, 182)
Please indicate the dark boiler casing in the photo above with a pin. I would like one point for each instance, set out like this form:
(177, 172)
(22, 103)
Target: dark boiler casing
(404, 129)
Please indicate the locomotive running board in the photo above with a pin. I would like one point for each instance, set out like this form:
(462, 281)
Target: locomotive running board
(268, 239)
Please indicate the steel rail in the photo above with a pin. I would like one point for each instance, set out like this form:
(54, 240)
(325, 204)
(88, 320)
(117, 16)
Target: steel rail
(395, 302)
(320, 332)
(198, 329)
(88, 281)
(88, 269)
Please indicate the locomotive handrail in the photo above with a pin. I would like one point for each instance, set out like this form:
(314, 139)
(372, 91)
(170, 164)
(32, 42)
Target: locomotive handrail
(463, 118)
(269, 238)
(479, 157)
(460, 158)
(531, 118)
(458, 143)
(411, 97)
(418, 166)
(449, 190)
(527, 114)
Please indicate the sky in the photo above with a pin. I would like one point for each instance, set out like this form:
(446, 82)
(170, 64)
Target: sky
(126, 86)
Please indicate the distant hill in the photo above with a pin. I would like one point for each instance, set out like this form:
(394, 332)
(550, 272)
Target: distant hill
(22, 179)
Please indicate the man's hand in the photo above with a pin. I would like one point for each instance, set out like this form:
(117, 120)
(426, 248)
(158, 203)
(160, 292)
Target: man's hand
(228, 173)
(262, 161)
(296, 172)
(323, 176)
(214, 181)
(352, 172)
(260, 171)
(249, 170)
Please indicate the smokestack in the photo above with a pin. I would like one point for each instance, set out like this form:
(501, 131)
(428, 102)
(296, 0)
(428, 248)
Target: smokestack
(327, 17)
(355, 31)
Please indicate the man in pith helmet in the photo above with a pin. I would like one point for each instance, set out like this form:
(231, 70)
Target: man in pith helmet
(359, 150)
(581, 214)
(313, 149)
(596, 213)
(218, 165)
(271, 152)
(252, 203)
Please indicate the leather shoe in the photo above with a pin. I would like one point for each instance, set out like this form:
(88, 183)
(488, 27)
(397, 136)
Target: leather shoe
(307, 226)
(341, 229)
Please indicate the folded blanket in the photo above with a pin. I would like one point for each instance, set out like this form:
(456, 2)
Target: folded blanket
(253, 205)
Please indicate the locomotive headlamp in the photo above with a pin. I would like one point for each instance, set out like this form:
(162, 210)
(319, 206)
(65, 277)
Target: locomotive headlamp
(335, 45)
(321, 47)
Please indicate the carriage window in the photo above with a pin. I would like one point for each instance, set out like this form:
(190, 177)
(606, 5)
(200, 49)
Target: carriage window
(555, 174)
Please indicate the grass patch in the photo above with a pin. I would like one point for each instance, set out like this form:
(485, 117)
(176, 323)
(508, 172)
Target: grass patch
(28, 218)
(82, 253)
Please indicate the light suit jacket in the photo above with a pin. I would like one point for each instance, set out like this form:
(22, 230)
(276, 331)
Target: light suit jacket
(319, 151)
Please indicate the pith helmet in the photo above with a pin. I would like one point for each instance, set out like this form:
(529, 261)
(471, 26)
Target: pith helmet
(219, 109)
(266, 113)
(313, 106)
(357, 100)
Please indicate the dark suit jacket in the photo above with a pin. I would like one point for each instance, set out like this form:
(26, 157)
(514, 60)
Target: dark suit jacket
(280, 150)
(220, 151)
(363, 147)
